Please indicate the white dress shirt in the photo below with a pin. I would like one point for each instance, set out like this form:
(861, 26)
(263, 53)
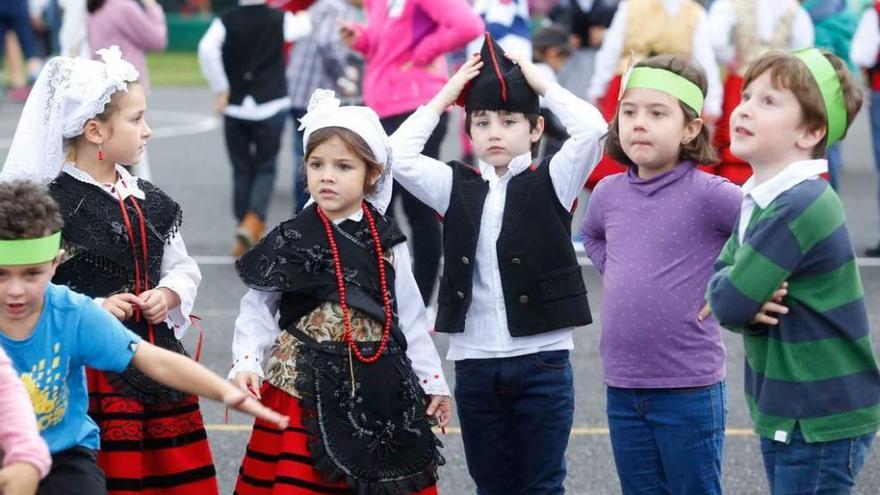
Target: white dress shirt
(178, 272)
(763, 194)
(211, 61)
(256, 327)
(866, 41)
(486, 334)
(609, 55)
(722, 21)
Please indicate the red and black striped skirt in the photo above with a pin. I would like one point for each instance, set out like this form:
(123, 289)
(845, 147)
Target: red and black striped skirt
(278, 462)
(152, 449)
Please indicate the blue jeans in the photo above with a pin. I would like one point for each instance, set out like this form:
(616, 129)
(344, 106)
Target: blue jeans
(826, 468)
(516, 415)
(668, 441)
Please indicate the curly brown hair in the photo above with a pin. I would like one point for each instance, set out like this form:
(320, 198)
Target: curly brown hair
(789, 72)
(698, 150)
(354, 143)
(27, 211)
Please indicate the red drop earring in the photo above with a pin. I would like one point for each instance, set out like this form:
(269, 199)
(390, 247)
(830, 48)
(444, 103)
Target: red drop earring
(100, 153)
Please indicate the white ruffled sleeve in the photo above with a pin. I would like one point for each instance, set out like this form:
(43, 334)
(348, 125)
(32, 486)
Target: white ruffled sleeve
(255, 331)
(180, 273)
(414, 324)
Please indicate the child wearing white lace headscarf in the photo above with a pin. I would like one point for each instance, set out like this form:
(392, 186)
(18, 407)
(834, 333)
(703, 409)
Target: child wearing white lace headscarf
(349, 349)
(83, 120)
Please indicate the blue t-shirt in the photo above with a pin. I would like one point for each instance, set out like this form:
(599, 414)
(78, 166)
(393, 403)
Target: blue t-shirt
(73, 331)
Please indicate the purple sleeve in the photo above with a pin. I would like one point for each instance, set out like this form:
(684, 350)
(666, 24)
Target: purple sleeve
(723, 203)
(20, 439)
(457, 25)
(593, 230)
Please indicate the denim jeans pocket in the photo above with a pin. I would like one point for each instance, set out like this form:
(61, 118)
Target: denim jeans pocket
(551, 360)
(858, 452)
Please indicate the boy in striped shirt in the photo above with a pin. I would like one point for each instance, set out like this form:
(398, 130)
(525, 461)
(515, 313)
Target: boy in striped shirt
(787, 278)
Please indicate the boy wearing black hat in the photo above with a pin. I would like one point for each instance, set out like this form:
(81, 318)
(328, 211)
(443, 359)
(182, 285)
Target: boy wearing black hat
(511, 291)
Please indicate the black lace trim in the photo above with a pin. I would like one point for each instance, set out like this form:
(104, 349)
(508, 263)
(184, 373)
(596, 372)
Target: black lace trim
(94, 235)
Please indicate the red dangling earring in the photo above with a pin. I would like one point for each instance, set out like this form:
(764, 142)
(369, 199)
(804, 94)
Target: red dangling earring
(100, 153)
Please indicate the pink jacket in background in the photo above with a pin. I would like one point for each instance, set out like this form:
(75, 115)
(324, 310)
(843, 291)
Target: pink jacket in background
(403, 44)
(136, 30)
(20, 439)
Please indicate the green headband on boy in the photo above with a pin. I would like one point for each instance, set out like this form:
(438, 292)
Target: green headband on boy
(667, 82)
(829, 85)
(30, 251)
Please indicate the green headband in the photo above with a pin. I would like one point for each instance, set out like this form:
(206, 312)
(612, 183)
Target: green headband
(667, 82)
(30, 251)
(829, 85)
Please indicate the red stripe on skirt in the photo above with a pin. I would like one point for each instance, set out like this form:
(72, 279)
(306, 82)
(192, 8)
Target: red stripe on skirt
(150, 448)
(279, 462)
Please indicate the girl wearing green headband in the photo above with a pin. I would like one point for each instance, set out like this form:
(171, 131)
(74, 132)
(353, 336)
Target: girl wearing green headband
(654, 232)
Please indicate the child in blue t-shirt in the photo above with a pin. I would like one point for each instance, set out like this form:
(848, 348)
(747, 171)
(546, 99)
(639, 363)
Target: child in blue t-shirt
(51, 333)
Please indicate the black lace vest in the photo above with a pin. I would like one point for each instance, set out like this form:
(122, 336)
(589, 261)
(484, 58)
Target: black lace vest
(99, 260)
(295, 259)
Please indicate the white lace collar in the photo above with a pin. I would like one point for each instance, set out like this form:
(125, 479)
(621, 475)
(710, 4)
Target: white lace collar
(126, 184)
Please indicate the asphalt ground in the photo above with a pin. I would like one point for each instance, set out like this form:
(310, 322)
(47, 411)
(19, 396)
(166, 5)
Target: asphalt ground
(189, 162)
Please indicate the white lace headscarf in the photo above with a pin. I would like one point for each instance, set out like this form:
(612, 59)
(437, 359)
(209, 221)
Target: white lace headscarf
(67, 93)
(325, 110)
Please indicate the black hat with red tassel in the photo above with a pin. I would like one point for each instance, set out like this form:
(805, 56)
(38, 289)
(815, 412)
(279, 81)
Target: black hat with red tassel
(500, 84)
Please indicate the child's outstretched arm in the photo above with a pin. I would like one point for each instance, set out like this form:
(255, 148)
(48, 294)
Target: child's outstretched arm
(184, 374)
(428, 179)
(570, 167)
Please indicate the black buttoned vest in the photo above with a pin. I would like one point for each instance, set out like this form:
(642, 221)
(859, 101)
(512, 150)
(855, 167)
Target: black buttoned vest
(253, 53)
(540, 277)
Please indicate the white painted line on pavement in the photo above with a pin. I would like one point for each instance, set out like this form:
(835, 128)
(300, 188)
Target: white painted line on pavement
(214, 260)
(181, 124)
(582, 259)
(575, 432)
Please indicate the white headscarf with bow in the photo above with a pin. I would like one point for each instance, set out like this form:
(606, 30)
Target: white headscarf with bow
(325, 110)
(67, 93)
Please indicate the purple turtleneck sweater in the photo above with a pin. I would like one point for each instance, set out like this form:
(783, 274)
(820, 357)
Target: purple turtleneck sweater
(654, 242)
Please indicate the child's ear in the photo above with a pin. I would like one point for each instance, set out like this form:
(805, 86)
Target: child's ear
(374, 176)
(57, 260)
(538, 131)
(809, 138)
(692, 130)
(94, 132)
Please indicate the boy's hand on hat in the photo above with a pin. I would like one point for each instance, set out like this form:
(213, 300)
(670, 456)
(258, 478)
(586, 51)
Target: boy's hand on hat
(533, 76)
(456, 84)
(19, 478)
(121, 306)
